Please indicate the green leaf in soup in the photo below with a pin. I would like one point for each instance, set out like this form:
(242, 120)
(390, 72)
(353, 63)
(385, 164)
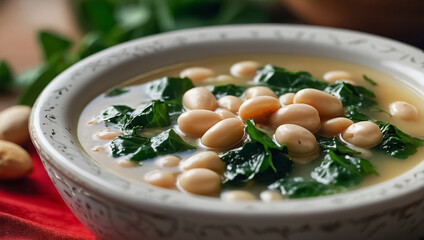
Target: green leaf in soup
(352, 112)
(369, 80)
(126, 145)
(298, 187)
(6, 78)
(243, 163)
(247, 162)
(257, 135)
(287, 81)
(53, 45)
(332, 143)
(282, 166)
(397, 143)
(138, 148)
(115, 92)
(149, 115)
(118, 114)
(351, 95)
(229, 89)
(342, 170)
(169, 88)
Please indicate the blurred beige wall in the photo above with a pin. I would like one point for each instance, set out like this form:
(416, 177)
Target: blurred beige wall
(19, 22)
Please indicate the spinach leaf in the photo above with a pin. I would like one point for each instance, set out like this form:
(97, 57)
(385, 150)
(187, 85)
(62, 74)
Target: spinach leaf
(369, 80)
(115, 92)
(169, 88)
(118, 114)
(281, 167)
(351, 95)
(138, 148)
(261, 159)
(283, 81)
(353, 114)
(149, 115)
(333, 144)
(257, 135)
(6, 78)
(397, 143)
(298, 187)
(342, 170)
(229, 89)
(243, 163)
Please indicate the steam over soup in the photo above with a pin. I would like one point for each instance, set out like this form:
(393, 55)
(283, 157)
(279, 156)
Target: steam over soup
(257, 127)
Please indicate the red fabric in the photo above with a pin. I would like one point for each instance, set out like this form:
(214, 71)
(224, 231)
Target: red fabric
(31, 208)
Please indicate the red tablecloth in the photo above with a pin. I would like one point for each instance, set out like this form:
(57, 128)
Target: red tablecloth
(31, 208)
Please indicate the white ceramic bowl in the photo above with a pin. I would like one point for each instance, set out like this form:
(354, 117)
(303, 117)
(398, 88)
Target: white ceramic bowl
(115, 208)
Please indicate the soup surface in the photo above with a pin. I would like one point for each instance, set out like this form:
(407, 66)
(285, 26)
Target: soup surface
(260, 162)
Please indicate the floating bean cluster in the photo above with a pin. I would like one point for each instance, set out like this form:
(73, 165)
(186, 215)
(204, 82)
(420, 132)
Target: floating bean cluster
(292, 119)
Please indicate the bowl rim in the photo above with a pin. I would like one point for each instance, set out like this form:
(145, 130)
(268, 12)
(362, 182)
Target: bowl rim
(411, 182)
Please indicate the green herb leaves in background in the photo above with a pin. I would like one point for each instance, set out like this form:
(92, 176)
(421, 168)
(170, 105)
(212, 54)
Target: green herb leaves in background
(138, 148)
(110, 22)
(6, 78)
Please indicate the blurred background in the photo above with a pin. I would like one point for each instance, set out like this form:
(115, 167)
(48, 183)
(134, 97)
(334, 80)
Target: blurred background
(39, 39)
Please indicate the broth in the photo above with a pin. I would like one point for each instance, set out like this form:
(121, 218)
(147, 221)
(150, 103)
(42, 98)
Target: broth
(388, 90)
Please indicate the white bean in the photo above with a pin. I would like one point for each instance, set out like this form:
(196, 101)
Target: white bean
(224, 134)
(258, 107)
(197, 122)
(230, 103)
(333, 76)
(327, 105)
(106, 135)
(300, 114)
(270, 196)
(160, 178)
(224, 113)
(299, 141)
(404, 111)
(363, 134)
(207, 159)
(168, 161)
(334, 126)
(286, 99)
(200, 181)
(244, 69)
(197, 74)
(258, 91)
(237, 196)
(199, 98)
